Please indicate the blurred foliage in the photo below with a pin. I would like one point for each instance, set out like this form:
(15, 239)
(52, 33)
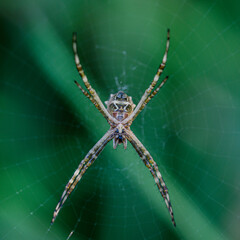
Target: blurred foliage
(191, 127)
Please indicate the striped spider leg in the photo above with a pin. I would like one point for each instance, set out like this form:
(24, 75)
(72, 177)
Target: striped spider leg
(150, 93)
(91, 94)
(153, 168)
(83, 166)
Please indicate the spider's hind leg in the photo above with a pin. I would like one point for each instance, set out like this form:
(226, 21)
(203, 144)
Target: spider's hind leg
(153, 168)
(82, 168)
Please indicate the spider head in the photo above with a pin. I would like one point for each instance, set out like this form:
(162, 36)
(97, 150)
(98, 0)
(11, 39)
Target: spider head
(120, 105)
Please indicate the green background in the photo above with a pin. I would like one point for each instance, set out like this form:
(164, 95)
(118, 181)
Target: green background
(191, 128)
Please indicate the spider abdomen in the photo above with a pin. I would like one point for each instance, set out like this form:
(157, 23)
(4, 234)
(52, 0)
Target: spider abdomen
(120, 105)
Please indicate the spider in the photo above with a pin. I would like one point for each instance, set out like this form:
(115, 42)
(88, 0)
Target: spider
(120, 113)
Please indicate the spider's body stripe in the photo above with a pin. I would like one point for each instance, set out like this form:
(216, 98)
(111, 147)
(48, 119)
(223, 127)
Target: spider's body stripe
(120, 106)
(119, 116)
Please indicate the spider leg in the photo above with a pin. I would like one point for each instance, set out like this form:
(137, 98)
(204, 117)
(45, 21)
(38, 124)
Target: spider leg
(90, 98)
(92, 93)
(153, 168)
(145, 98)
(152, 95)
(83, 166)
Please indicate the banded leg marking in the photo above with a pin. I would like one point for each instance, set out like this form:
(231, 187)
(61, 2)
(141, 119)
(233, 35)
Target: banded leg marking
(152, 166)
(142, 103)
(83, 166)
(92, 92)
(89, 97)
(152, 94)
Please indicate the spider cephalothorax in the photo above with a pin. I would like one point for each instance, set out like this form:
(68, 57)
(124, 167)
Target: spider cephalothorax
(120, 114)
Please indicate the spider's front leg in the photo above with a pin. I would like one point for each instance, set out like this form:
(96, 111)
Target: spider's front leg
(153, 168)
(83, 166)
(91, 94)
(150, 93)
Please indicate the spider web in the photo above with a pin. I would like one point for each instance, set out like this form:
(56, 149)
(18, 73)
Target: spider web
(191, 127)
